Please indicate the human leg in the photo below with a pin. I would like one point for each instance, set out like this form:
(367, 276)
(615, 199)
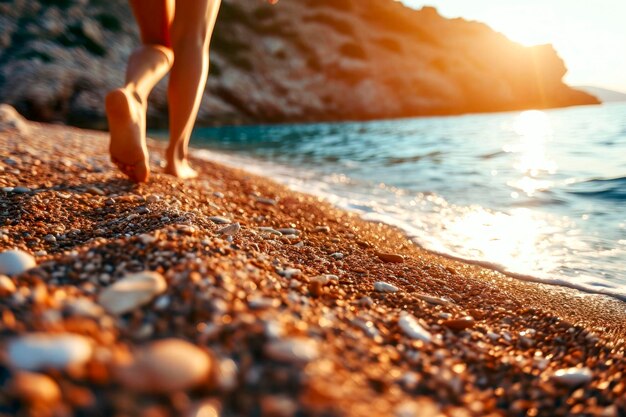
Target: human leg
(126, 107)
(190, 33)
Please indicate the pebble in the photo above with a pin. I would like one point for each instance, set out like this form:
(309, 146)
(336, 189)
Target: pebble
(230, 230)
(14, 262)
(34, 388)
(227, 371)
(572, 377)
(337, 255)
(261, 303)
(6, 285)
(162, 302)
(410, 326)
(220, 220)
(325, 279)
(165, 366)
(21, 190)
(289, 272)
(410, 379)
(50, 238)
(289, 231)
(152, 198)
(294, 350)
(366, 301)
(95, 191)
(83, 307)
(218, 194)
(460, 324)
(39, 351)
(368, 327)
(132, 292)
(147, 238)
(270, 230)
(390, 258)
(433, 300)
(267, 201)
(186, 229)
(322, 229)
(381, 286)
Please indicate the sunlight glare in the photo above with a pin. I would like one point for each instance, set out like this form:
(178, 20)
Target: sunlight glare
(534, 129)
(516, 240)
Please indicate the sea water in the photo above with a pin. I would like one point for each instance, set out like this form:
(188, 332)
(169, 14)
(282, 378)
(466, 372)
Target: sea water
(537, 194)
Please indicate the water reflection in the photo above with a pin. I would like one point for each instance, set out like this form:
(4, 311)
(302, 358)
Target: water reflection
(534, 129)
(519, 239)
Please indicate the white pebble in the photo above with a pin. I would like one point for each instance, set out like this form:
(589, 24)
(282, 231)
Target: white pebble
(147, 238)
(261, 303)
(268, 201)
(230, 230)
(14, 262)
(433, 300)
(289, 272)
(572, 376)
(84, 307)
(381, 286)
(412, 328)
(367, 326)
(220, 220)
(270, 231)
(40, 351)
(132, 292)
(227, 375)
(295, 350)
(162, 302)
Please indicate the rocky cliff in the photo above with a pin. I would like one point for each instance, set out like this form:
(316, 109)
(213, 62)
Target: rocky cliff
(303, 60)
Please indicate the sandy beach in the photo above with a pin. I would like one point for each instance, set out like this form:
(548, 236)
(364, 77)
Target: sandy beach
(231, 295)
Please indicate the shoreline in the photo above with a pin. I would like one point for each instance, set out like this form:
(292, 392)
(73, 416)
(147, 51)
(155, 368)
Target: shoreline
(260, 168)
(313, 322)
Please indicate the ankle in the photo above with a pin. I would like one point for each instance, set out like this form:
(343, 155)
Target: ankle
(176, 152)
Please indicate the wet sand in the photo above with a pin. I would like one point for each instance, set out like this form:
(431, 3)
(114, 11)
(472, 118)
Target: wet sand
(275, 304)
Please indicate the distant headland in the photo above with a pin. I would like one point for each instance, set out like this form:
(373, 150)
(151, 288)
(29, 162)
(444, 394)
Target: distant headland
(303, 60)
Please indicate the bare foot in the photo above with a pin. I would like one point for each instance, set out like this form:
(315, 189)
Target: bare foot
(128, 139)
(180, 168)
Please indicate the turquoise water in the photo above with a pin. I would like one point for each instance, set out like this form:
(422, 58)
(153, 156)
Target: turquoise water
(539, 194)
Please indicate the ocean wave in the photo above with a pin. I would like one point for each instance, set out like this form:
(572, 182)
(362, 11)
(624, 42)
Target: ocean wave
(605, 188)
(412, 159)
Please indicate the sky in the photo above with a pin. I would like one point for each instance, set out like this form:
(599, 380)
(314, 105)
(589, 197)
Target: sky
(590, 36)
